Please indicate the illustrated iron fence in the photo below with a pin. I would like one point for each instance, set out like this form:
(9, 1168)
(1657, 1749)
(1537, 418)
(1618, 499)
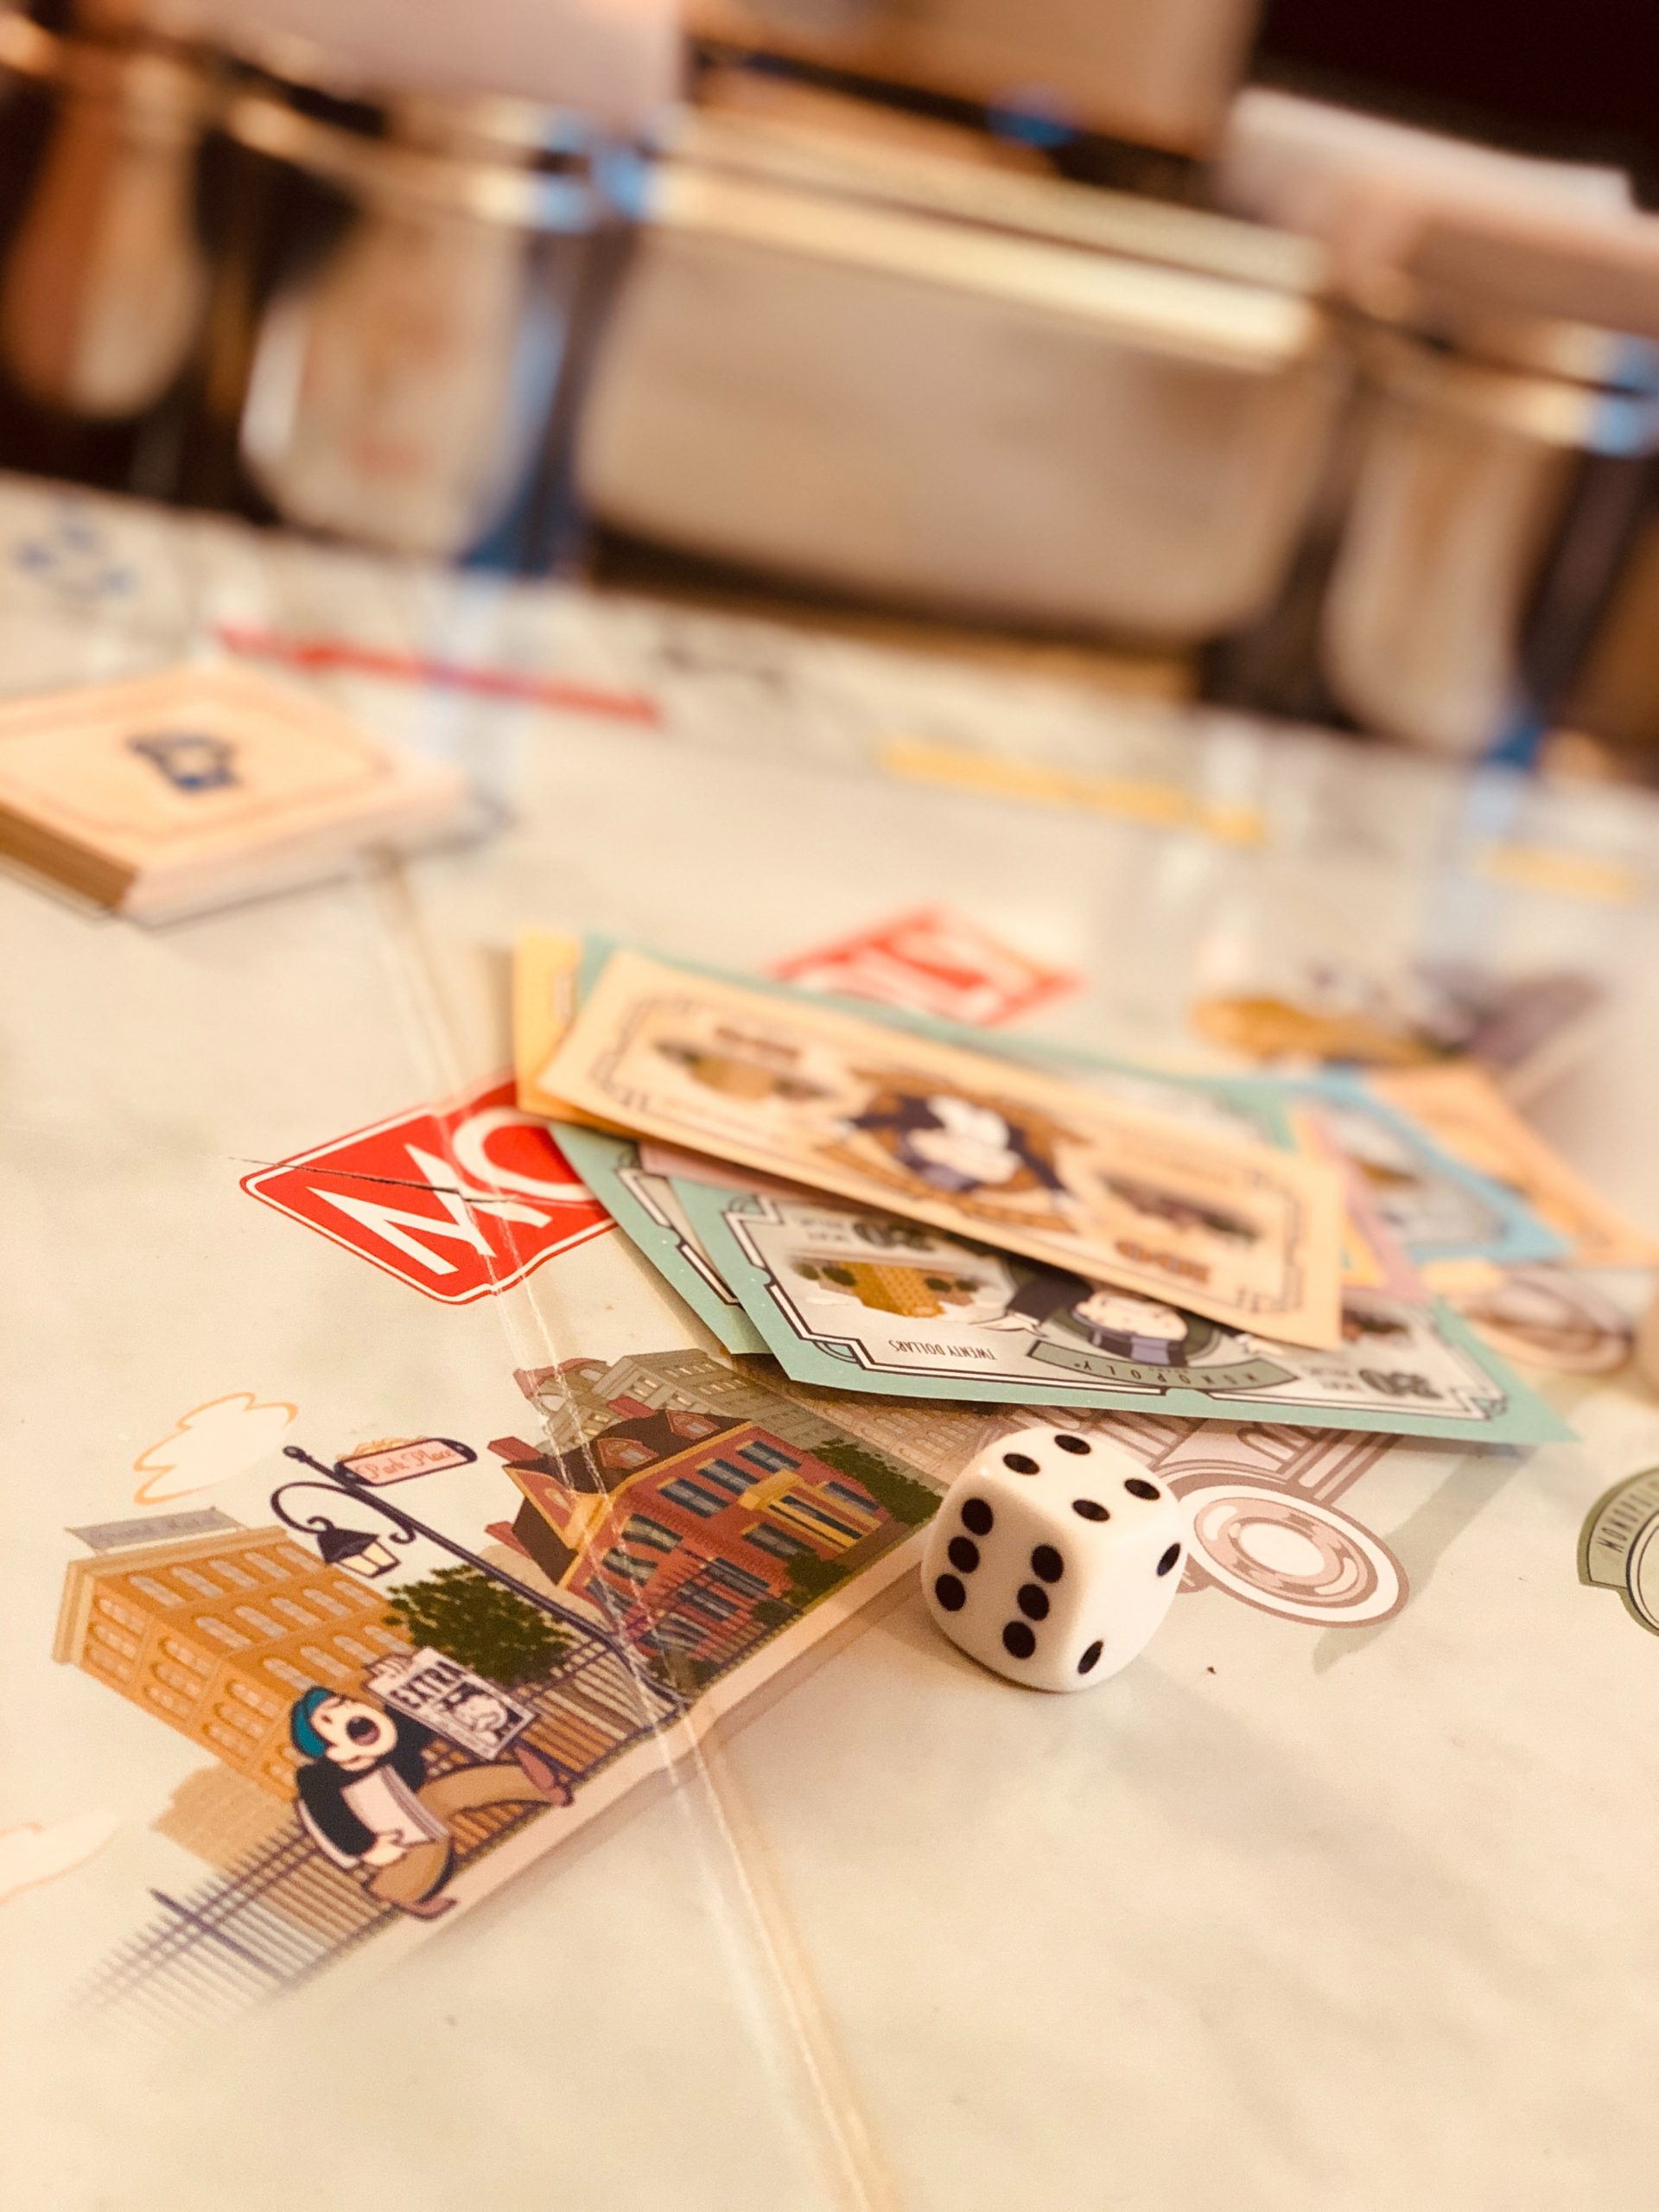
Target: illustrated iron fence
(282, 1911)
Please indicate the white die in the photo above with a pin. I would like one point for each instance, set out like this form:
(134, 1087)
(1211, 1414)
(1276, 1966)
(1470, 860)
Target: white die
(1054, 1557)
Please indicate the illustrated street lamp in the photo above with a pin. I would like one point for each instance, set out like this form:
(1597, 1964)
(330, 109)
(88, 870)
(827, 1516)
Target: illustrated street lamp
(362, 1552)
(353, 1548)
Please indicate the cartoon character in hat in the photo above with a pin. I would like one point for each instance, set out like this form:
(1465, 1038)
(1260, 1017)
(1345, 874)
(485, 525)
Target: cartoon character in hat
(1118, 1322)
(996, 1159)
(960, 1144)
(365, 1801)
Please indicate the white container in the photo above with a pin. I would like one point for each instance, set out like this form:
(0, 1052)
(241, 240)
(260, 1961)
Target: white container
(899, 378)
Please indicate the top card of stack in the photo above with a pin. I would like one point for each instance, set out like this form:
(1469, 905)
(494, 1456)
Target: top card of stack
(1240, 1232)
(200, 784)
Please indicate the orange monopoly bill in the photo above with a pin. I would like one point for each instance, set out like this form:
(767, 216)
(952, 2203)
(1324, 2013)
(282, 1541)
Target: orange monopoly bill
(1461, 1107)
(546, 974)
(1239, 1232)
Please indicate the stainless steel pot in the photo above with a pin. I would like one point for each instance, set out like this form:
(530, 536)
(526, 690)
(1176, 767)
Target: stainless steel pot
(904, 377)
(1493, 502)
(402, 317)
(1466, 549)
(103, 269)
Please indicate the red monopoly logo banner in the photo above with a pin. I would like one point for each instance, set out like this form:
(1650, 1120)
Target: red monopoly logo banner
(461, 1201)
(930, 962)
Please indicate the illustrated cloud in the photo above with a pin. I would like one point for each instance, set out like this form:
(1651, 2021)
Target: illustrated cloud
(209, 1445)
(34, 1853)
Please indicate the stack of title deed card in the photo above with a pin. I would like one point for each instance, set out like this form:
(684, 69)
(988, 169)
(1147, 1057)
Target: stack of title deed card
(882, 1203)
(200, 784)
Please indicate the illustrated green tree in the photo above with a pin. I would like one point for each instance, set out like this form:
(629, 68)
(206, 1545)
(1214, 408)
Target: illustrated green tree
(476, 1622)
(907, 1499)
(810, 1577)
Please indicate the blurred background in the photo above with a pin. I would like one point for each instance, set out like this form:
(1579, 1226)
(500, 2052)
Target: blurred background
(1299, 358)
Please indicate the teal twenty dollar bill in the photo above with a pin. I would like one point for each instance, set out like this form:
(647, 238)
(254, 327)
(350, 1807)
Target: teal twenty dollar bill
(1437, 1207)
(854, 1300)
(651, 1215)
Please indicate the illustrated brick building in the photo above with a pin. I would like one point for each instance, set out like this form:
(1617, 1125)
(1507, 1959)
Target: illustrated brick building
(575, 1400)
(217, 1634)
(580, 1398)
(690, 1502)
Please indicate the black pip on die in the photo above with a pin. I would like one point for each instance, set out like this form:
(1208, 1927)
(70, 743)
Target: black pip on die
(1054, 1558)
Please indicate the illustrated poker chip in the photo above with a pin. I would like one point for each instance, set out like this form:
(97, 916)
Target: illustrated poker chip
(1548, 1317)
(1291, 1555)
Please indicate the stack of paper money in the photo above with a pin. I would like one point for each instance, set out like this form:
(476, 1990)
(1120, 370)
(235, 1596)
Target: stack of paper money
(881, 1202)
(170, 792)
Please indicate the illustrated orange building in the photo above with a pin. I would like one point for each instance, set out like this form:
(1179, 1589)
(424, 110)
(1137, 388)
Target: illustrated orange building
(220, 1816)
(217, 1634)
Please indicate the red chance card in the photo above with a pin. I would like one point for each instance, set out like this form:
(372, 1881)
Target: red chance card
(930, 962)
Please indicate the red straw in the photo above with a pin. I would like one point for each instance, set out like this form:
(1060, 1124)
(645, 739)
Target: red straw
(324, 653)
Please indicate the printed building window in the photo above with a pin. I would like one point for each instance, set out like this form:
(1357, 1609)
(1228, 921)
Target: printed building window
(640, 1528)
(198, 1584)
(739, 1481)
(269, 1565)
(279, 1671)
(117, 1638)
(691, 1600)
(324, 1661)
(684, 1492)
(324, 1603)
(179, 1677)
(293, 1560)
(169, 1700)
(382, 1638)
(226, 1739)
(779, 1542)
(261, 1623)
(221, 1632)
(768, 1457)
(231, 1571)
(730, 1576)
(353, 1649)
(187, 1655)
(155, 1591)
(848, 1494)
(296, 1615)
(245, 1723)
(812, 1516)
(245, 1694)
(626, 1567)
(113, 1610)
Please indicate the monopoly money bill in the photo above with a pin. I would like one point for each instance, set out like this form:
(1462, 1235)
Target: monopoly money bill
(1242, 1233)
(860, 1301)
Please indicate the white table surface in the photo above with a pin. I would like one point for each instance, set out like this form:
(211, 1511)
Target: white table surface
(1284, 1917)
